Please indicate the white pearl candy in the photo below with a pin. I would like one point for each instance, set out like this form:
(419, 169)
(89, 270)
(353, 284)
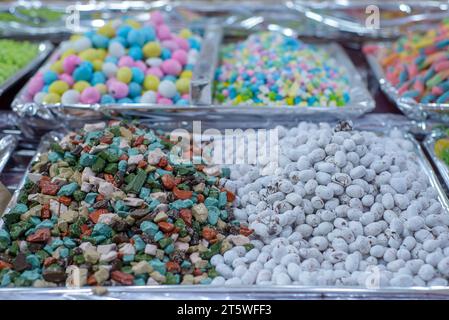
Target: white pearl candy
(82, 44)
(39, 97)
(116, 49)
(167, 89)
(70, 97)
(148, 97)
(109, 69)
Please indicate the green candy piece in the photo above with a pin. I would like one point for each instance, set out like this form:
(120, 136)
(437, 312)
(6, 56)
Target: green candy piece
(137, 182)
(111, 168)
(98, 165)
(87, 160)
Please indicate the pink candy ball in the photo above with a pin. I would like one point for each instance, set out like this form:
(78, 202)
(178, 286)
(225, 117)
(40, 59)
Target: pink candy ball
(67, 79)
(157, 18)
(70, 63)
(110, 81)
(141, 65)
(170, 44)
(171, 67)
(163, 32)
(165, 101)
(118, 89)
(155, 71)
(182, 43)
(126, 61)
(180, 56)
(90, 95)
(35, 85)
(185, 96)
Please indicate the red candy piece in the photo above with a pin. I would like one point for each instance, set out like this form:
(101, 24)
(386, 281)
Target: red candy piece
(123, 278)
(41, 235)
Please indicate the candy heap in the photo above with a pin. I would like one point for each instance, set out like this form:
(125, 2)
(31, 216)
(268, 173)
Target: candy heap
(270, 68)
(109, 201)
(418, 65)
(15, 55)
(123, 62)
(344, 207)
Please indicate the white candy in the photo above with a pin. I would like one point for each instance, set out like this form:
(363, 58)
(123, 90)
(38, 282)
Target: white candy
(70, 97)
(116, 49)
(167, 89)
(149, 97)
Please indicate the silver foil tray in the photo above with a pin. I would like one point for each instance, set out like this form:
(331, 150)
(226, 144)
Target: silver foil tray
(410, 107)
(7, 145)
(44, 49)
(238, 292)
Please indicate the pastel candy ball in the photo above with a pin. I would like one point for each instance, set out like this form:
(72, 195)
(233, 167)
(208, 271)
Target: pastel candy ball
(182, 43)
(102, 88)
(185, 33)
(81, 85)
(70, 97)
(107, 99)
(164, 101)
(165, 54)
(52, 98)
(58, 87)
(126, 61)
(67, 78)
(152, 50)
(68, 52)
(118, 89)
(136, 53)
(135, 90)
(133, 23)
(81, 44)
(151, 82)
(163, 32)
(116, 49)
(98, 77)
(183, 85)
(171, 67)
(170, 44)
(124, 74)
(57, 67)
(157, 17)
(186, 74)
(100, 41)
(107, 30)
(138, 75)
(109, 69)
(125, 100)
(121, 41)
(180, 56)
(154, 62)
(155, 71)
(50, 76)
(149, 33)
(90, 95)
(88, 55)
(36, 84)
(135, 37)
(39, 97)
(149, 97)
(98, 64)
(82, 73)
(123, 31)
(141, 65)
(167, 89)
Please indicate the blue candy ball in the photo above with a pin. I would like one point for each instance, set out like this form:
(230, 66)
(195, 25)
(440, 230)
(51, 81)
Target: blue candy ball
(98, 77)
(107, 99)
(82, 73)
(125, 100)
(120, 40)
(87, 65)
(100, 41)
(136, 53)
(149, 33)
(45, 88)
(123, 31)
(137, 99)
(182, 102)
(50, 76)
(111, 59)
(166, 53)
(194, 44)
(138, 75)
(135, 90)
(170, 78)
(89, 34)
(136, 38)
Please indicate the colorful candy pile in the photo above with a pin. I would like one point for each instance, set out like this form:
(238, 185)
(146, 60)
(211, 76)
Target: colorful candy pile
(270, 68)
(123, 62)
(109, 203)
(15, 55)
(441, 149)
(418, 65)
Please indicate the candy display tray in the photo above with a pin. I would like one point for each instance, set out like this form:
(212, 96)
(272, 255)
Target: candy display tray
(429, 144)
(45, 48)
(235, 292)
(410, 107)
(360, 102)
(8, 144)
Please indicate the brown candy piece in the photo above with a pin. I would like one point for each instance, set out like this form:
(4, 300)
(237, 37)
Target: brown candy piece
(41, 235)
(123, 278)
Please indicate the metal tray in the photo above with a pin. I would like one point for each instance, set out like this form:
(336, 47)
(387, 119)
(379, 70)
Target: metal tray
(350, 16)
(44, 49)
(410, 107)
(7, 145)
(239, 292)
(360, 102)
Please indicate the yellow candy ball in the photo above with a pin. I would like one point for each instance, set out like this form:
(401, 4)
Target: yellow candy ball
(133, 23)
(57, 67)
(98, 64)
(152, 50)
(183, 85)
(101, 88)
(124, 74)
(75, 37)
(151, 82)
(88, 55)
(52, 98)
(185, 33)
(67, 53)
(101, 53)
(81, 85)
(107, 30)
(186, 74)
(58, 87)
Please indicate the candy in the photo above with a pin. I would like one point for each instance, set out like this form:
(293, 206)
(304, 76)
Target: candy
(270, 68)
(141, 225)
(149, 97)
(70, 97)
(123, 60)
